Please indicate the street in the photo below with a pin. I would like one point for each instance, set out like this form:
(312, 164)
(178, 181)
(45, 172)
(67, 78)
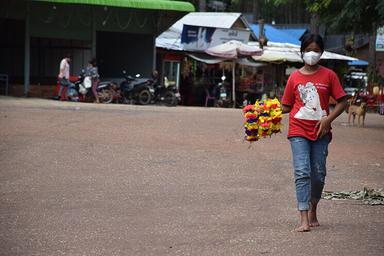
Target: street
(95, 179)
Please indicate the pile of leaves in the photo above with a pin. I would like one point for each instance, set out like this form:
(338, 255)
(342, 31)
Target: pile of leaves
(368, 196)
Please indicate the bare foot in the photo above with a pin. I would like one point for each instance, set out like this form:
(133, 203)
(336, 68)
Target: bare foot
(302, 229)
(314, 223)
(312, 216)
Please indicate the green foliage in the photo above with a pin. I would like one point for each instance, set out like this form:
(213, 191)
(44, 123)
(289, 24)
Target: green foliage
(374, 75)
(356, 15)
(280, 2)
(338, 15)
(317, 5)
(380, 10)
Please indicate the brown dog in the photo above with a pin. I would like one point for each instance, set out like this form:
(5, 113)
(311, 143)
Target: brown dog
(357, 110)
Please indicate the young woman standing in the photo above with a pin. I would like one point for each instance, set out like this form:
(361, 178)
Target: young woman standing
(93, 72)
(306, 99)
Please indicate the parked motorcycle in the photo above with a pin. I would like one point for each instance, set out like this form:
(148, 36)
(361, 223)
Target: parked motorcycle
(103, 89)
(136, 90)
(166, 94)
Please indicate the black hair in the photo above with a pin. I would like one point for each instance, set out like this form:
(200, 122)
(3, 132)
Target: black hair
(93, 62)
(311, 38)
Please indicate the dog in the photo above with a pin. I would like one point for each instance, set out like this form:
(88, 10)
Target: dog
(360, 111)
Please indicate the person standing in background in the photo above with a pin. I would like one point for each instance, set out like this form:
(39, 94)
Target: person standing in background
(93, 72)
(64, 75)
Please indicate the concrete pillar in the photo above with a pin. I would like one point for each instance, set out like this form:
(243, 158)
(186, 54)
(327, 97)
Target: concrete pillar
(93, 33)
(27, 49)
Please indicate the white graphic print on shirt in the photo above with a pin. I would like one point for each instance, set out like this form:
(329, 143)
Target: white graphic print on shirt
(311, 101)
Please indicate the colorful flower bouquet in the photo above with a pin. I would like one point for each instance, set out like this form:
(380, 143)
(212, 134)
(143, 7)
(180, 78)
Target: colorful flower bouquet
(262, 119)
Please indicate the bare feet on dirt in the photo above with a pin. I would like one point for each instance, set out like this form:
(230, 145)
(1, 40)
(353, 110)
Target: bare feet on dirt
(312, 216)
(302, 229)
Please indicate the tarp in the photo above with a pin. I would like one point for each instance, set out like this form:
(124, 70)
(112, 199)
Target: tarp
(135, 4)
(234, 49)
(295, 32)
(279, 54)
(285, 52)
(275, 35)
(205, 58)
(251, 63)
(358, 63)
(208, 59)
(335, 56)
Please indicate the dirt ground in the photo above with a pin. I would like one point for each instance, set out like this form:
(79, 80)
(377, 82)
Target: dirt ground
(93, 179)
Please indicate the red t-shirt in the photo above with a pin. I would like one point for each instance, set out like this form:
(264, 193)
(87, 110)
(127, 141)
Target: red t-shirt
(308, 97)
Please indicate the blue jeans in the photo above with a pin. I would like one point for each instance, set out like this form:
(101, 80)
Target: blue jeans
(309, 160)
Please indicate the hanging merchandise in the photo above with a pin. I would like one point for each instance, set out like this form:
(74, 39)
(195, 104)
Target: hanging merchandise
(262, 119)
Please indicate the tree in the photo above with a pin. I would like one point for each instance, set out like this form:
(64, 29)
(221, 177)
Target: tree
(354, 16)
(290, 11)
(202, 5)
(358, 16)
(314, 7)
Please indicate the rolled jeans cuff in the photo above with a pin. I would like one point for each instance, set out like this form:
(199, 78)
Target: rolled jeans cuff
(303, 206)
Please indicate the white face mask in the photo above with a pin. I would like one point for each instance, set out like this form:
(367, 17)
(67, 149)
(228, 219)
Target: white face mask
(311, 58)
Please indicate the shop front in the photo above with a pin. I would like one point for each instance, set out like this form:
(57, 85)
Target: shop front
(200, 73)
(36, 34)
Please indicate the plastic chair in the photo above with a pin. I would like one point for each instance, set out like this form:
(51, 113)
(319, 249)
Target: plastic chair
(209, 97)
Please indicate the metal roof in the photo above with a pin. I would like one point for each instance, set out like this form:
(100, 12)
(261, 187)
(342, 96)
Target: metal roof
(207, 19)
(170, 39)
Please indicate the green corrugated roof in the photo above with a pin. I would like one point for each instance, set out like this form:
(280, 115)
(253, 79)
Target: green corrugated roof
(137, 4)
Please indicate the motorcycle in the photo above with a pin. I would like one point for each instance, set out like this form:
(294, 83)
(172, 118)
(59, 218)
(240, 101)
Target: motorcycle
(84, 88)
(136, 90)
(167, 94)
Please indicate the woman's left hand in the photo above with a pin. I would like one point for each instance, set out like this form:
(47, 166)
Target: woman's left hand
(324, 125)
